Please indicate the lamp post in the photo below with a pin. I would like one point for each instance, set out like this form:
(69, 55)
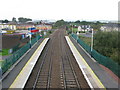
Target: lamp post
(36, 37)
(77, 38)
(77, 35)
(72, 29)
(30, 39)
(92, 42)
(29, 34)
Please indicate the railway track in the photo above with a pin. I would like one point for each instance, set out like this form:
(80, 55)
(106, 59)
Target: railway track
(57, 67)
(44, 74)
(69, 75)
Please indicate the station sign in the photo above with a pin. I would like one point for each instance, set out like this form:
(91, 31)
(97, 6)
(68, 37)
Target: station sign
(36, 30)
(31, 28)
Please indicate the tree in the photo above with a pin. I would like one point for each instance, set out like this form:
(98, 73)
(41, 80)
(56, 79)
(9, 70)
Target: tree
(23, 20)
(98, 22)
(84, 22)
(97, 25)
(106, 43)
(5, 21)
(77, 21)
(60, 23)
(14, 19)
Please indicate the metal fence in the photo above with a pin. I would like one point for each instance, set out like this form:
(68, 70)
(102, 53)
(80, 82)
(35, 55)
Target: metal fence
(14, 49)
(7, 63)
(106, 61)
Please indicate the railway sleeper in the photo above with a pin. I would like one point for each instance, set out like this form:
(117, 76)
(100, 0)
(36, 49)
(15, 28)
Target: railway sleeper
(71, 83)
(72, 86)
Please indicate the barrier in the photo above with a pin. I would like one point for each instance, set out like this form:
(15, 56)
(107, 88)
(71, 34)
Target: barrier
(106, 61)
(7, 63)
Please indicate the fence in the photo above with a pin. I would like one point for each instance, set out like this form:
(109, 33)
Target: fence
(109, 63)
(15, 48)
(7, 63)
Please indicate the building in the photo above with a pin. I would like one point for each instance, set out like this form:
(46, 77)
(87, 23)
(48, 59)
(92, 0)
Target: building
(110, 27)
(24, 26)
(7, 26)
(43, 26)
(84, 28)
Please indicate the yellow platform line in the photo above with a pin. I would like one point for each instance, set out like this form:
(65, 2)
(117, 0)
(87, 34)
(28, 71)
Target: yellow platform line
(88, 67)
(22, 71)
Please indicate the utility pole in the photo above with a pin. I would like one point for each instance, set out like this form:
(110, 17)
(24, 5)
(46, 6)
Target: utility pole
(77, 38)
(30, 39)
(72, 29)
(92, 42)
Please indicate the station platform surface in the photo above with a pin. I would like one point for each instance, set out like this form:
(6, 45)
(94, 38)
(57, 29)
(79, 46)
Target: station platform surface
(9, 77)
(94, 74)
(23, 76)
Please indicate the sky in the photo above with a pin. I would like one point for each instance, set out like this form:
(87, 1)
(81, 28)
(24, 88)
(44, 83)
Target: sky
(59, 9)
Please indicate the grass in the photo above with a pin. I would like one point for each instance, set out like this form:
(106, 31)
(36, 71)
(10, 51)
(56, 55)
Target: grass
(1, 61)
(4, 52)
(75, 30)
(87, 40)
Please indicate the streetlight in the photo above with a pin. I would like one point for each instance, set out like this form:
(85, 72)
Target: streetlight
(72, 29)
(78, 33)
(30, 38)
(92, 42)
(77, 37)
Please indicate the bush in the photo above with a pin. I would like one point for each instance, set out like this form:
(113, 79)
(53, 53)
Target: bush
(106, 43)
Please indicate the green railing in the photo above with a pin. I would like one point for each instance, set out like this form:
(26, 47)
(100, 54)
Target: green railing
(7, 63)
(106, 61)
(15, 48)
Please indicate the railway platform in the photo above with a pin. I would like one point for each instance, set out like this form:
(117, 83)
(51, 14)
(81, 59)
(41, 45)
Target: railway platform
(89, 75)
(23, 76)
(91, 69)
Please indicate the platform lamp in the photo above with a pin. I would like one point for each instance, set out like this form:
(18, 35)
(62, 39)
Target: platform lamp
(76, 34)
(77, 37)
(72, 29)
(30, 36)
(92, 41)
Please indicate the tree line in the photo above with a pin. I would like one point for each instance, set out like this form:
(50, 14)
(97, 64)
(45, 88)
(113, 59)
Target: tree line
(107, 43)
(20, 19)
(95, 25)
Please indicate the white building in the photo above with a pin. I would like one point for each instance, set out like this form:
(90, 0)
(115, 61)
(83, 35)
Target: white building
(110, 27)
(8, 26)
(84, 28)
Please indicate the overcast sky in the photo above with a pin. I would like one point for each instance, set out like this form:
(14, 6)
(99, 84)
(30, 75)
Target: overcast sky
(60, 9)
